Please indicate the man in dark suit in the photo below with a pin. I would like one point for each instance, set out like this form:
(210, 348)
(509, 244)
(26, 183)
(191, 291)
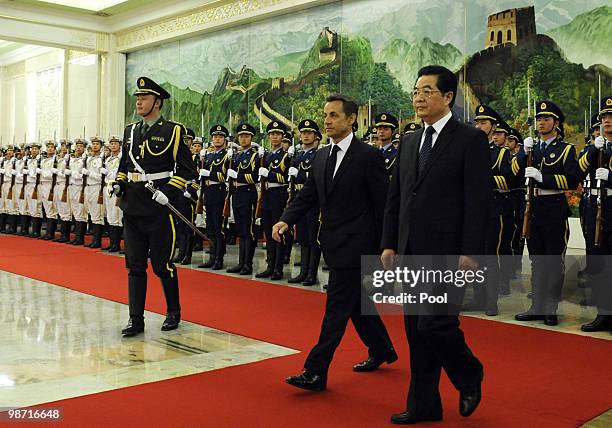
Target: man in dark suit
(349, 184)
(438, 202)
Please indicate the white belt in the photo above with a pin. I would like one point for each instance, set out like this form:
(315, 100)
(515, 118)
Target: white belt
(244, 184)
(212, 183)
(546, 192)
(271, 185)
(501, 191)
(136, 177)
(607, 192)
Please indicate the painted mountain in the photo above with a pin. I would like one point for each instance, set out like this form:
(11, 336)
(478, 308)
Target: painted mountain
(586, 39)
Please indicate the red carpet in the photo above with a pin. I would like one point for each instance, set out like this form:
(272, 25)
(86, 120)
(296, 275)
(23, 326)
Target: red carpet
(532, 377)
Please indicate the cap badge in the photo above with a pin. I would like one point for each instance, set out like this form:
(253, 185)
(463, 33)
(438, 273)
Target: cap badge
(481, 109)
(141, 83)
(543, 106)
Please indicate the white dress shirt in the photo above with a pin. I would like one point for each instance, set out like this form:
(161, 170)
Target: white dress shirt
(343, 145)
(437, 127)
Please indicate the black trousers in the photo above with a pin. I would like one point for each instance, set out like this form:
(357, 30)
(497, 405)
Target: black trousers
(272, 208)
(437, 342)
(151, 237)
(244, 200)
(600, 263)
(343, 303)
(547, 243)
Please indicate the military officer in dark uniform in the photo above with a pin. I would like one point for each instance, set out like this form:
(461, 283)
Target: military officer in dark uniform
(274, 178)
(288, 147)
(411, 127)
(486, 119)
(244, 172)
(307, 227)
(514, 143)
(600, 265)
(215, 191)
(186, 206)
(555, 169)
(154, 152)
(386, 124)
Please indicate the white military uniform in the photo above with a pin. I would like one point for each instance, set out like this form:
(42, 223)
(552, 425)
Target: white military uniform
(19, 205)
(113, 212)
(63, 208)
(92, 189)
(34, 207)
(5, 172)
(75, 187)
(48, 171)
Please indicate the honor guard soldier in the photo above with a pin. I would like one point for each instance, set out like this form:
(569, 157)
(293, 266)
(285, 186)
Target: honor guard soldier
(48, 180)
(186, 205)
(154, 154)
(61, 198)
(76, 184)
(514, 143)
(191, 195)
(597, 161)
(555, 170)
(307, 228)
(93, 196)
(214, 173)
(486, 119)
(289, 148)
(33, 205)
(411, 127)
(8, 219)
(274, 179)
(113, 213)
(21, 172)
(386, 124)
(244, 172)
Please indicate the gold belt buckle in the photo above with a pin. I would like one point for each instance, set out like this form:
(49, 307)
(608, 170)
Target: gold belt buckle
(135, 176)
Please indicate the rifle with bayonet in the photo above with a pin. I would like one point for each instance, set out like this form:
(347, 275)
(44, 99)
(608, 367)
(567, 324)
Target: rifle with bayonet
(529, 182)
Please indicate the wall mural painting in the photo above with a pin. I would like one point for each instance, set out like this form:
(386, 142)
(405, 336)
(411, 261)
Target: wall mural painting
(282, 68)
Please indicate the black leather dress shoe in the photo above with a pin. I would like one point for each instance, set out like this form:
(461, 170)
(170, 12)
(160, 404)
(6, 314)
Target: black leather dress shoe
(246, 270)
(234, 269)
(600, 323)
(133, 327)
(172, 321)
(469, 401)
(408, 418)
(529, 316)
(276, 275)
(372, 363)
(265, 274)
(551, 320)
(309, 381)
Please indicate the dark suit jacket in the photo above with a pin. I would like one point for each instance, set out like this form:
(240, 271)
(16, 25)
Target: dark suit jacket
(444, 210)
(352, 210)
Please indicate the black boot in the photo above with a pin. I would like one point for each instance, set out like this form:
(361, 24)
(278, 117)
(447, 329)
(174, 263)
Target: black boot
(313, 266)
(188, 249)
(118, 235)
(137, 293)
(111, 238)
(220, 250)
(211, 258)
(64, 232)
(181, 248)
(25, 225)
(278, 262)
(96, 231)
(305, 257)
(171, 292)
(3, 218)
(287, 247)
(241, 257)
(79, 233)
(249, 252)
(600, 323)
(12, 225)
(36, 227)
(51, 227)
(270, 259)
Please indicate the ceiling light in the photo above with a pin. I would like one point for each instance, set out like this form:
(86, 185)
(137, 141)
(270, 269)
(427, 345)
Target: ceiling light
(94, 5)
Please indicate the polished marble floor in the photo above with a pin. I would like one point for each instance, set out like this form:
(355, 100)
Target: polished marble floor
(56, 343)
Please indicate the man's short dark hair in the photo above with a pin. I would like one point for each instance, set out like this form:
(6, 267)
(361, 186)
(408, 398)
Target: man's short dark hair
(447, 81)
(348, 105)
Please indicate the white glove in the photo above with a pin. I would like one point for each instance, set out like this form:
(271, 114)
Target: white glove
(46, 174)
(263, 172)
(14, 172)
(160, 198)
(203, 153)
(291, 150)
(32, 173)
(1, 171)
(204, 173)
(528, 144)
(531, 172)
(53, 170)
(600, 142)
(602, 174)
(186, 194)
(293, 172)
(232, 174)
(67, 172)
(261, 151)
(66, 157)
(61, 173)
(230, 152)
(38, 170)
(84, 171)
(103, 171)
